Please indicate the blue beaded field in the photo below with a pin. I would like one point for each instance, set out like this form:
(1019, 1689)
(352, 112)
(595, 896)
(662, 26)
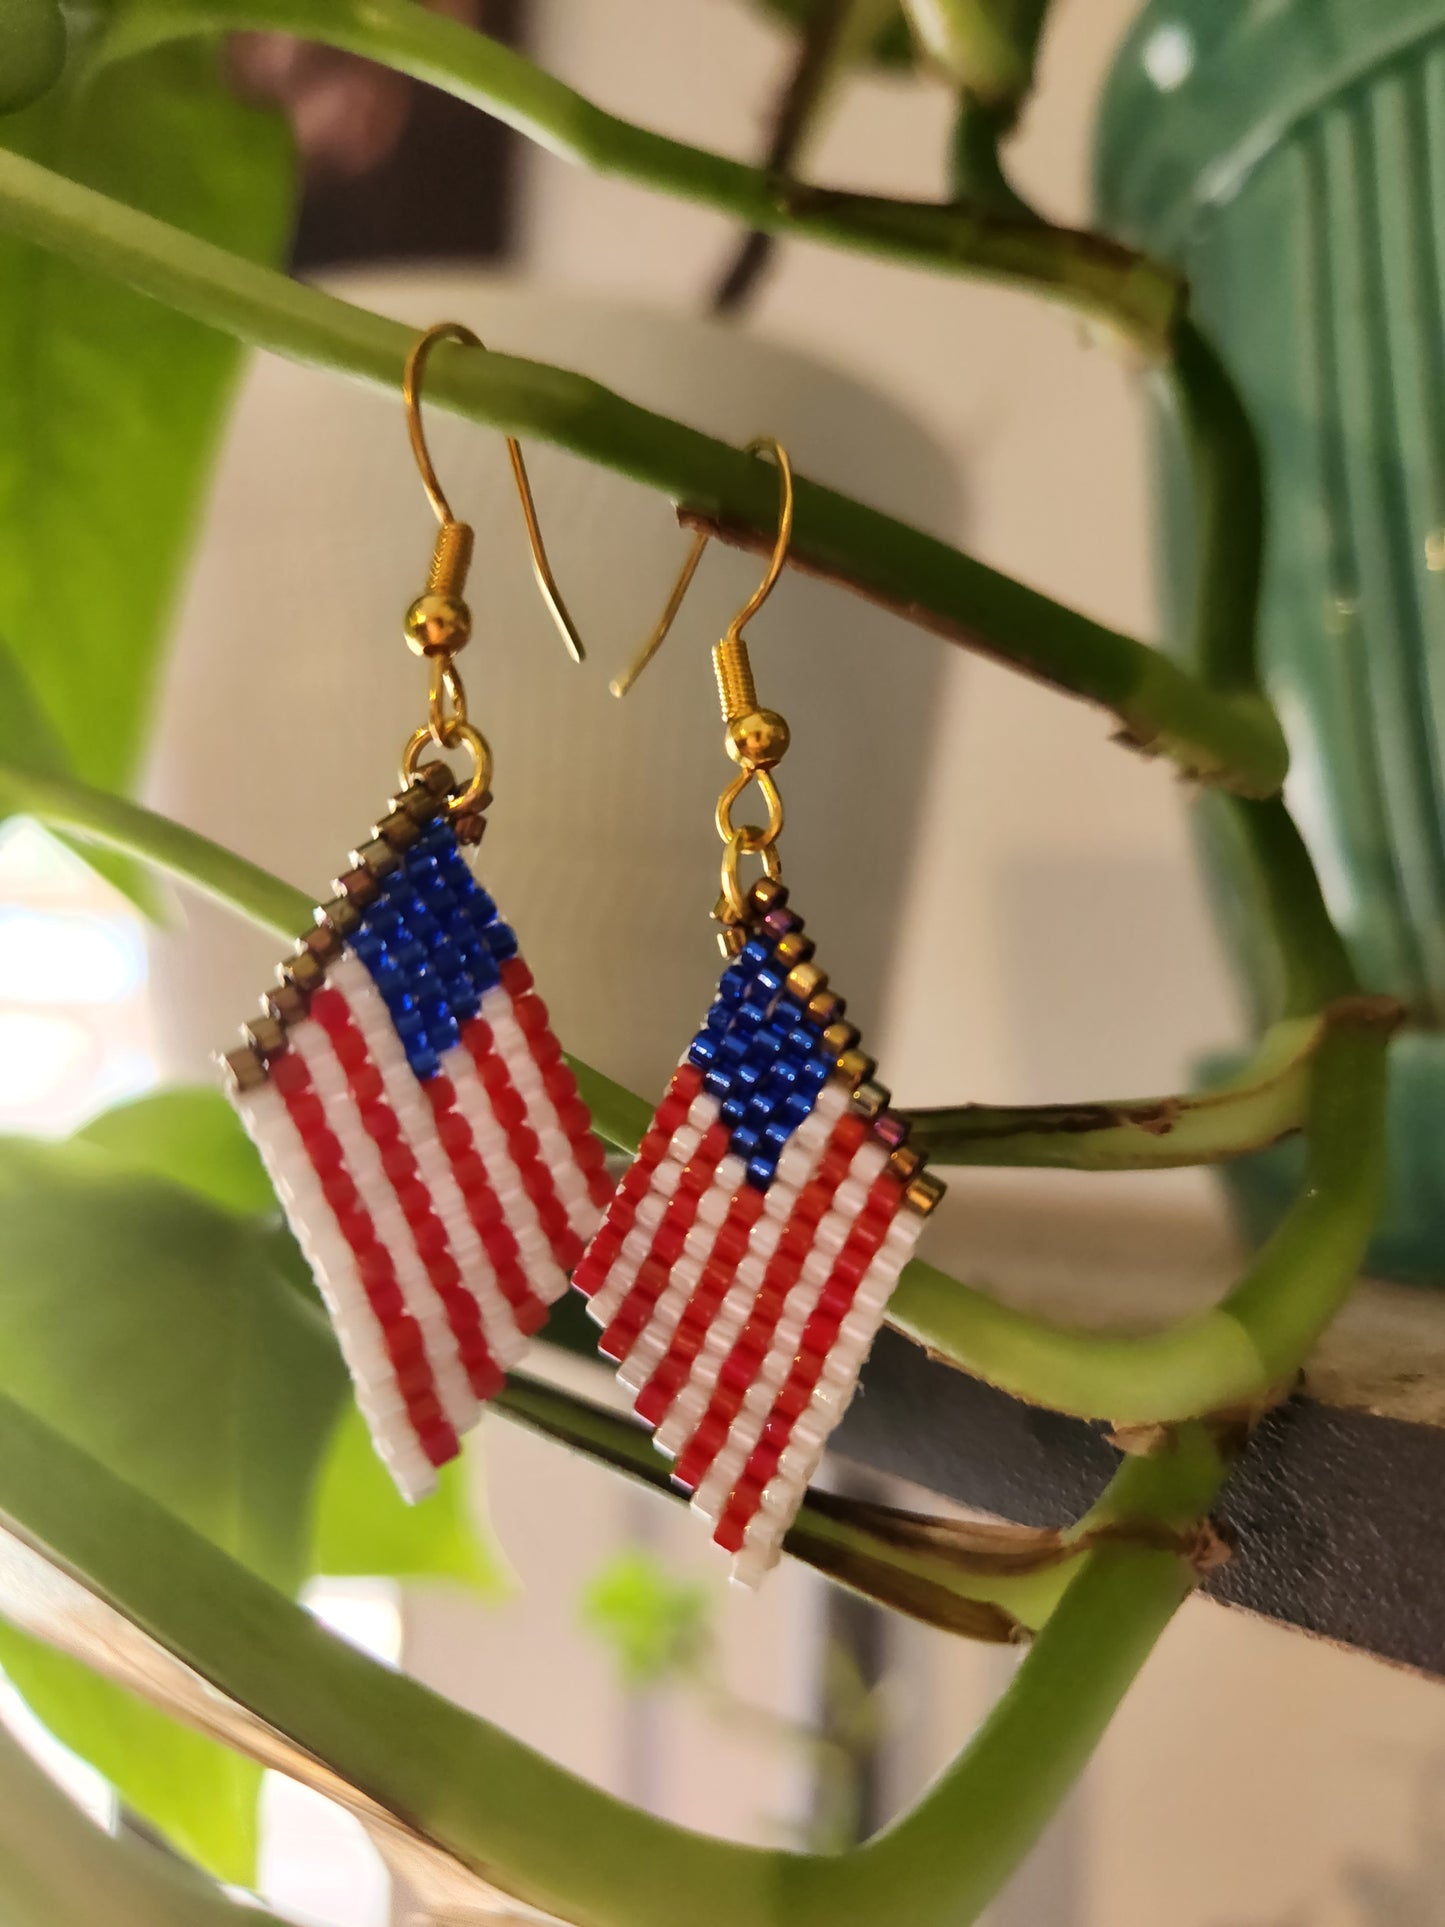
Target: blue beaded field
(434, 945)
(762, 1056)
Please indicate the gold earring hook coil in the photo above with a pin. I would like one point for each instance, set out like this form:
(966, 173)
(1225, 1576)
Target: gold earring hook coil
(763, 444)
(456, 537)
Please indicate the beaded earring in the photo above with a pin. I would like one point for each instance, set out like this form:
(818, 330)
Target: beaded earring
(422, 1129)
(746, 1260)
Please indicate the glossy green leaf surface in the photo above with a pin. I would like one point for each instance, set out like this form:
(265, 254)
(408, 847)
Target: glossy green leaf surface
(110, 406)
(30, 745)
(32, 50)
(58, 1868)
(364, 1528)
(151, 1327)
(191, 1136)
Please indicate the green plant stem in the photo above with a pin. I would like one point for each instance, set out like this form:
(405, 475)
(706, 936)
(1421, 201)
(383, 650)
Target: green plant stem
(1229, 514)
(932, 1588)
(1086, 271)
(280, 1686)
(99, 817)
(58, 1868)
(1233, 739)
(1262, 1103)
(1218, 1358)
(1314, 968)
(975, 168)
(1223, 1358)
(949, 1855)
(831, 39)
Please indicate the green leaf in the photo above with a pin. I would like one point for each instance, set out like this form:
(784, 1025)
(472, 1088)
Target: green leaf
(364, 1529)
(985, 47)
(150, 1326)
(32, 50)
(58, 1868)
(200, 1795)
(111, 405)
(658, 1626)
(192, 1137)
(30, 743)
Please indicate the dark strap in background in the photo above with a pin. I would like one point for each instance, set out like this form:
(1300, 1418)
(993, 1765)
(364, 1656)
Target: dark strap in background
(1338, 1517)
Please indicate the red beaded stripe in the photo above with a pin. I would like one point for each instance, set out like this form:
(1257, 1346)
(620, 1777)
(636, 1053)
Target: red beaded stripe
(636, 1309)
(509, 1108)
(601, 1254)
(428, 1233)
(561, 1086)
(400, 1333)
(820, 1334)
(728, 1251)
(484, 1207)
(751, 1347)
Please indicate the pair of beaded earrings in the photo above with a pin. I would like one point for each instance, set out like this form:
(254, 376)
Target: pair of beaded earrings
(435, 1161)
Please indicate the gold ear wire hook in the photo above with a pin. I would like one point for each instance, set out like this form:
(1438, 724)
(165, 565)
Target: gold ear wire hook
(454, 544)
(733, 639)
(757, 739)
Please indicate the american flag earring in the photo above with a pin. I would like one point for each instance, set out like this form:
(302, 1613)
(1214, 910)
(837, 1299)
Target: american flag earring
(746, 1260)
(403, 1086)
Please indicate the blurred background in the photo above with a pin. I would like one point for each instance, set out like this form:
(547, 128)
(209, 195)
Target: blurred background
(1028, 925)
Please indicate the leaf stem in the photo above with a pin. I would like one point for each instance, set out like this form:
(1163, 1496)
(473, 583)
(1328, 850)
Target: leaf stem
(64, 803)
(1086, 271)
(101, 1569)
(926, 1586)
(1231, 738)
(49, 1848)
(951, 1853)
(1229, 512)
(1262, 1103)
(1219, 1359)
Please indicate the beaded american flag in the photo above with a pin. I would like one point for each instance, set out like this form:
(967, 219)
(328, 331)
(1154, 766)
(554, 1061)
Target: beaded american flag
(423, 1132)
(744, 1265)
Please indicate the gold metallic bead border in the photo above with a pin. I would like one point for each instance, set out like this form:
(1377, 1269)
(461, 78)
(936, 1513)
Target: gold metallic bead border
(809, 984)
(301, 974)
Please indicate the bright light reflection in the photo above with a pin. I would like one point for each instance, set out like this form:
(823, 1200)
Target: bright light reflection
(1169, 57)
(38, 1053)
(59, 957)
(366, 1613)
(31, 860)
(316, 1861)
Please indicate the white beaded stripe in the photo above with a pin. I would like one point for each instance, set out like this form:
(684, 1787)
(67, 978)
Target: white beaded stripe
(715, 1489)
(414, 1113)
(780, 1201)
(331, 1260)
(363, 1160)
(621, 1274)
(656, 1337)
(516, 1053)
(545, 1276)
(832, 1395)
(268, 1123)
(697, 1243)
